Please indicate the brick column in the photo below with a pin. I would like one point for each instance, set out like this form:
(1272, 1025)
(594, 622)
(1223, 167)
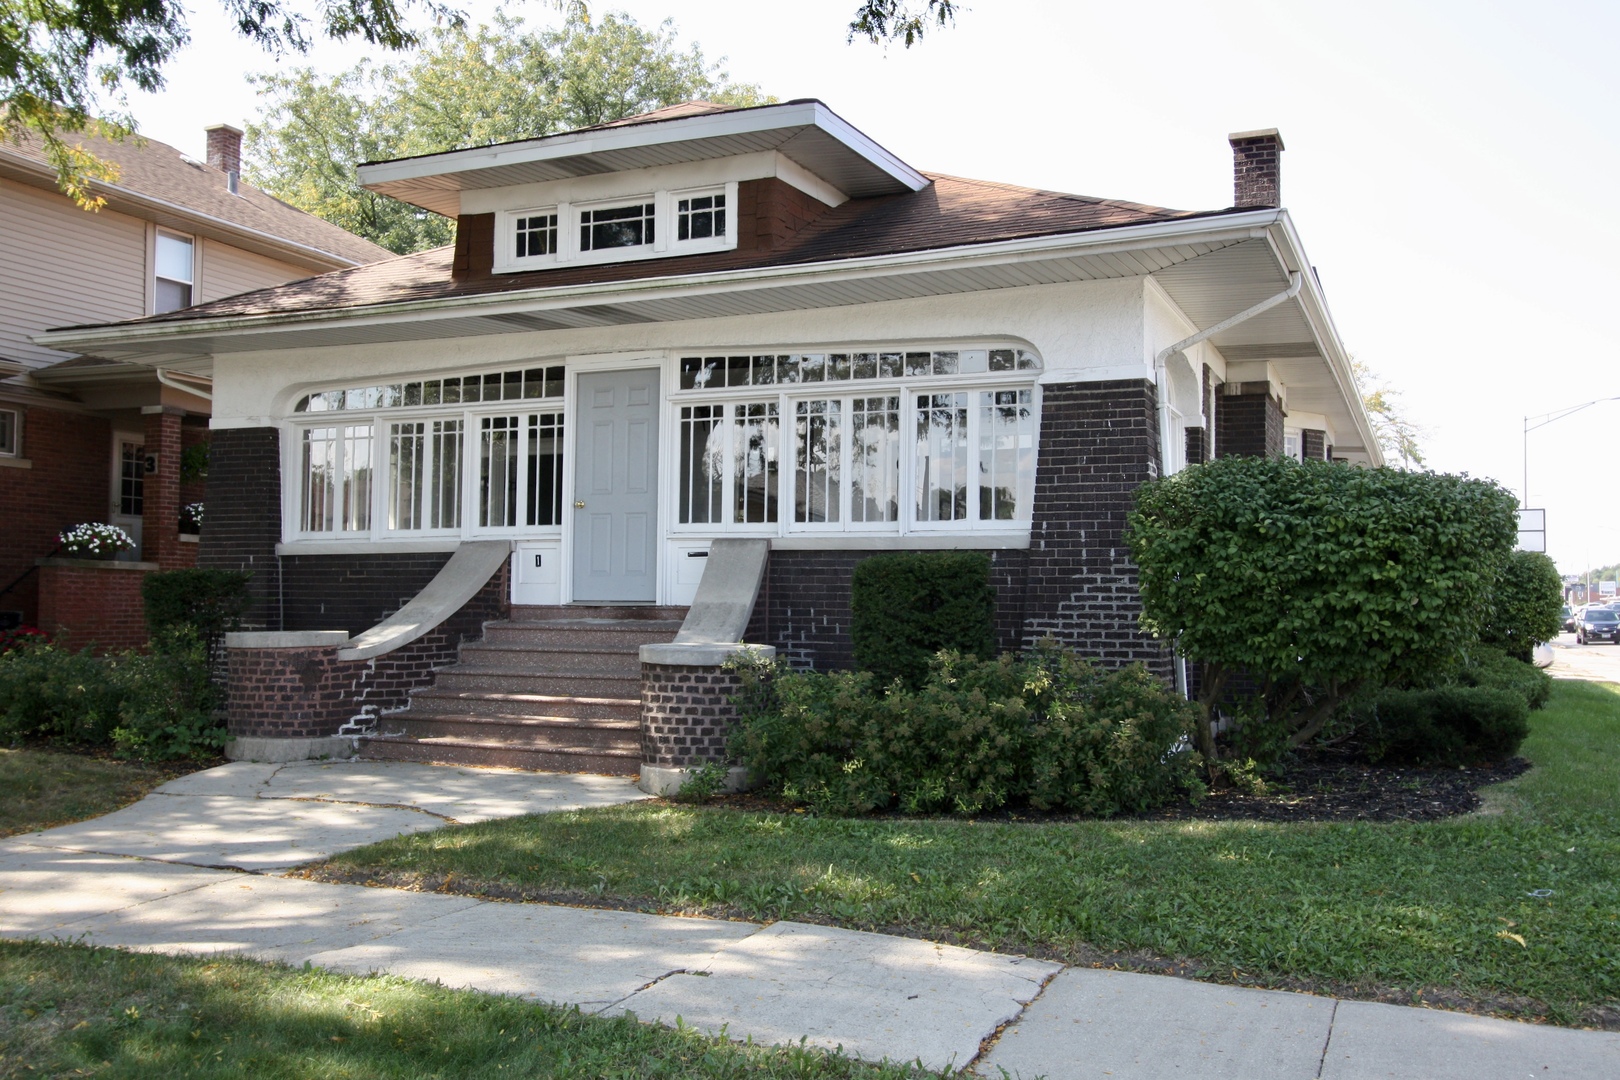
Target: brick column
(686, 712)
(1314, 444)
(243, 521)
(1249, 422)
(288, 694)
(1099, 443)
(160, 514)
(1197, 446)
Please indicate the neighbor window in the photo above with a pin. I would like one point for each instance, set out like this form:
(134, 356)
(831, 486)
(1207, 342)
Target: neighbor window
(173, 273)
(10, 428)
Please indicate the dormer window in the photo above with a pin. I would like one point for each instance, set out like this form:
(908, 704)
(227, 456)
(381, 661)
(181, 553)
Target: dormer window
(617, 227)
(664, 223)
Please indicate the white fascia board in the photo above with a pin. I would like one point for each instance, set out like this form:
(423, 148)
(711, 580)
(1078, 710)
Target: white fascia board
(1313, 305)
(1232, 228)
(682, 129)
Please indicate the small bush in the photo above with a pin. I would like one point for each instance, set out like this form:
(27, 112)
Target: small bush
(1446, 725)
(908, 606)
(167, 708)
(1493, 668)
(49, 693)
(1045, 728)
(209, 602)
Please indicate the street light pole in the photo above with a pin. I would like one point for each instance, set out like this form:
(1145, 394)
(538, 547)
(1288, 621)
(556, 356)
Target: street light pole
(1541, 422)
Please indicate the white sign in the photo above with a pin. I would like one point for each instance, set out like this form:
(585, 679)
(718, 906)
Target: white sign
(1606, 588)
(1533, 530)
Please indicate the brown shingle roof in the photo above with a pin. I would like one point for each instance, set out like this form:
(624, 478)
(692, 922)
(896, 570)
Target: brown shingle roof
(950, 212)
(159, 171)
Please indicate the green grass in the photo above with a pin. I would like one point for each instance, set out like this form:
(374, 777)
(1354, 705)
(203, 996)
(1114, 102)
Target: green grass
(1437, 910)
(41, 788)
(68, 1010)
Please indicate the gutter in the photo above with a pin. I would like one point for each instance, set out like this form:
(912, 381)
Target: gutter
(195, 391)
(1233, 228)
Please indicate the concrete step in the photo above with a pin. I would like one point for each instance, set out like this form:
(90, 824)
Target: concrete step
(580, 633)
(618, 662)
(533, 732)
(447, 751)
(437, 701)
(597, 613)
(463, 677)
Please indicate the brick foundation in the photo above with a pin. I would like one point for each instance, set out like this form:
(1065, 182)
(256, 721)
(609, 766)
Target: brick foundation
(686, 714)
(83, 602)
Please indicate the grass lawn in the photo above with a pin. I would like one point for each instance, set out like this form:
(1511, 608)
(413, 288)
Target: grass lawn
(41, 788)
(1439, 911)
(68, 1010)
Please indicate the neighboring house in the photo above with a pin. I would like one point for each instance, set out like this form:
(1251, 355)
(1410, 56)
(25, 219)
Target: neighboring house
(89, 439)
(709, 323)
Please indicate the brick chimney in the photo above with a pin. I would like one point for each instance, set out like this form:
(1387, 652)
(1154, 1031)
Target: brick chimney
(1256, 168)
(225, 151)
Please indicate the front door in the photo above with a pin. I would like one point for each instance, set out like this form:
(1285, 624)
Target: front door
(128, 488)
(616, 488)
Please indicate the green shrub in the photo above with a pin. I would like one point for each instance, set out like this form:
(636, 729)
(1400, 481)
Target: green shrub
(168, 707)
(210, 602)
(1495, 669)
(908, 606)
(51, 694)
(1311, 582)
(1045, 728)
(1446, 725)
(1527, 605)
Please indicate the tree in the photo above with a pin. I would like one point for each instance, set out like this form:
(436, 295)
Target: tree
(1397, 435)
(882, 21)
(56, 57)
(1526, 605)
(467, 87)
(1311, 581)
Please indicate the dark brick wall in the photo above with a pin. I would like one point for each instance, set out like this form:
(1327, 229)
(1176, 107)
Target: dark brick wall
(804, 605)
(243, 520)
(69, 483)
(352, 592)
(1197, 446)
(686, 714)
(1099, 443)
(1249, 423)
(1314, 444)
(1257, 171)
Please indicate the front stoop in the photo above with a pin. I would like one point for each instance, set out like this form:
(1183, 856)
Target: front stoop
(556, 689)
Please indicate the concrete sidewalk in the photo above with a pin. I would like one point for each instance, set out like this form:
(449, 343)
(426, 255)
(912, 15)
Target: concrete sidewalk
(153, 876)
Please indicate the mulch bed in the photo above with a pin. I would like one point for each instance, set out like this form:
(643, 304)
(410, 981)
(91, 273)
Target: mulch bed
(1324, 786)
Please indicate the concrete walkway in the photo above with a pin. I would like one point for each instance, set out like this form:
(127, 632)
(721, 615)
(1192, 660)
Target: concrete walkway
(187, 870)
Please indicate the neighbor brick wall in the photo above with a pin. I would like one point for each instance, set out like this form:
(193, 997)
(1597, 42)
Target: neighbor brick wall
(804, 605)
(243, 520)
(1099, 443)
(69, 483)
(1250, 422)
(686, 713)
(84, 603)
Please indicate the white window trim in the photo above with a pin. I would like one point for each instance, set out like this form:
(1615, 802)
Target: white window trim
(15, 450)
(568, 214)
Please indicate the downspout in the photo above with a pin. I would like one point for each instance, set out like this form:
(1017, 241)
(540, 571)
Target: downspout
(1161, 377)
(168, 380)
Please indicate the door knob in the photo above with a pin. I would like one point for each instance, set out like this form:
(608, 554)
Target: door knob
(579, 504)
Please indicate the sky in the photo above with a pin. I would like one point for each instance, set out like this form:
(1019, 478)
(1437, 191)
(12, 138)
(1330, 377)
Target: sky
(1450, 168)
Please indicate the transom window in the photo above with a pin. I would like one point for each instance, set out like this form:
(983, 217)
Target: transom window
(844, 442)
(530, 383)
(617, 227)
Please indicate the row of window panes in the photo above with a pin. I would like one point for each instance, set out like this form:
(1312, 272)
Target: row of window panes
(972, 456)
(519, 474)
(467, 389)
(725, 372)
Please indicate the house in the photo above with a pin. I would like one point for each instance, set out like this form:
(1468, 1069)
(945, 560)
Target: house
(705, 336)
(90, 439)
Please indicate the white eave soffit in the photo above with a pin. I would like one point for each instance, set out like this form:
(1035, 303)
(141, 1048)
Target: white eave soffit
(805, 132)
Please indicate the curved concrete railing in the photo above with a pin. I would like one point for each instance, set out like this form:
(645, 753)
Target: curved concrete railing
(469, 568)
(718, 617)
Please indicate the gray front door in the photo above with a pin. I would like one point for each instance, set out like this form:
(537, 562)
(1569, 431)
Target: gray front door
(616, 488)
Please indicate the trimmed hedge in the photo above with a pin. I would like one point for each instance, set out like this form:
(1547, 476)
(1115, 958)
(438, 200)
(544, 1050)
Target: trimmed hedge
(1446, 725)
(1046, 728)
(908, 606)
(201, 602)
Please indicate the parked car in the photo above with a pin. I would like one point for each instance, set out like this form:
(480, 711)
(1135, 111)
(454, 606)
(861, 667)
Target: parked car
(1598, 624)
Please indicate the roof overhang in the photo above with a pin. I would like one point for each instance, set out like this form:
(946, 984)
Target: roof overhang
(1210, 267)
(806, 132)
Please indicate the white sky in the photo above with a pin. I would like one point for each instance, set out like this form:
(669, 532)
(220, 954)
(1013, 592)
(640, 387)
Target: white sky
(1450, 166)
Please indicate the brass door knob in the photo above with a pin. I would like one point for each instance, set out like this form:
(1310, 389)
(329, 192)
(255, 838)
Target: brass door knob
(579, 504)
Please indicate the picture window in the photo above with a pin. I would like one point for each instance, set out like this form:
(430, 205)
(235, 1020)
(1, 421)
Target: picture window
(616, 227)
